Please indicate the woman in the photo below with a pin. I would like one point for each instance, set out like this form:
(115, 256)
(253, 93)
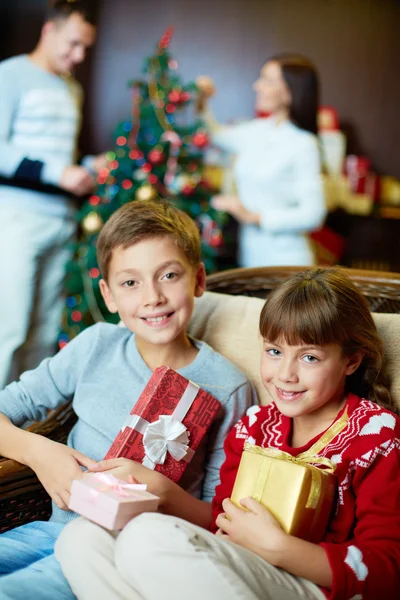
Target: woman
(277, 167)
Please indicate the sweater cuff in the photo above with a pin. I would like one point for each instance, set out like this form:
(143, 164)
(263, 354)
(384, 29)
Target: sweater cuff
(52, 172)
(29, 170)
(88, 162)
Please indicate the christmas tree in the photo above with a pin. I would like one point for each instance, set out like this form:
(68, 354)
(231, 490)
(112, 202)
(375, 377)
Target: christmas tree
(159, 153)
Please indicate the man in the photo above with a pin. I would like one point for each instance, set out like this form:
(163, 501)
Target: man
(40, 113)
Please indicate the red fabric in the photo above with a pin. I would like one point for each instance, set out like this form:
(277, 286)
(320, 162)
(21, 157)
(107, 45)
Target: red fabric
(331, 245)
(363, 538)
(160, 397)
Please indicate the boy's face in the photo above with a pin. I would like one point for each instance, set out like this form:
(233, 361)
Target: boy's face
(152, 286)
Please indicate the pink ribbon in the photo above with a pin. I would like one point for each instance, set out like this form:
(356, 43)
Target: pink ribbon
(116, 485)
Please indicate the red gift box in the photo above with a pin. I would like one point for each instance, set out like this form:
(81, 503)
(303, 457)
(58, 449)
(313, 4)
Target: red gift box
(328, 118)
(357, 169)
(167, 424)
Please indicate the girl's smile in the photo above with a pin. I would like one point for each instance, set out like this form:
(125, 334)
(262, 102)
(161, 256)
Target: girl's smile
(289, 396)
(306, 380)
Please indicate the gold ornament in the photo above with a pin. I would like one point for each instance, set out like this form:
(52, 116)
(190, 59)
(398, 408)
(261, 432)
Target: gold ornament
(146, 192)
(92, 223)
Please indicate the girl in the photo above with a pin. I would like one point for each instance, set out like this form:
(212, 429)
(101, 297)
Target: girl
(321, 363)
(277, 169)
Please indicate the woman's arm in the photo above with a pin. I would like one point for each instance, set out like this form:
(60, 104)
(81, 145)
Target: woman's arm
(227, 137)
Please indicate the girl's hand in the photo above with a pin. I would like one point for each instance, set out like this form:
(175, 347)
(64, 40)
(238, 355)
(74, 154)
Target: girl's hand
(134, 472)
(255, 529)
(232, 205)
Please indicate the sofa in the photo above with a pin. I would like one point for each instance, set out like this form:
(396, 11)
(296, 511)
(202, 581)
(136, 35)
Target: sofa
(226, 317)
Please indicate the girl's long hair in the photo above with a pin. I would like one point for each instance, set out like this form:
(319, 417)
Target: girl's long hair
(301, 78)
(322, 306)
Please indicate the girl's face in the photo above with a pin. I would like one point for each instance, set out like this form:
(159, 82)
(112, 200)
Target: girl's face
(304, 380)
(272, 92)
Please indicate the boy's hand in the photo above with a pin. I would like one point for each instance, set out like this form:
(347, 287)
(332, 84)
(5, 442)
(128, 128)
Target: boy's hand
(56, 465)
(134, 472)
(255, 529)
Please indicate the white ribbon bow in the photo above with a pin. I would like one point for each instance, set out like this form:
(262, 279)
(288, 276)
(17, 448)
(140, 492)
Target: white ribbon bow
(165, 435)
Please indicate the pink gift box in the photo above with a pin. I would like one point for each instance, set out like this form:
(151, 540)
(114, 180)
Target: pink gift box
(108, 501)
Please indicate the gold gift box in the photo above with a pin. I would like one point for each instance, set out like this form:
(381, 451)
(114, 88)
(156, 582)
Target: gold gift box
(296, 492)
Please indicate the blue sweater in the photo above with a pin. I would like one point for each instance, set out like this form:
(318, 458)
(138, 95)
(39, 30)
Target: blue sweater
(102, 370)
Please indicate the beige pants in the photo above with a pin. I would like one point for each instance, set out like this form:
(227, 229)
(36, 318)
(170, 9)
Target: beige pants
(157, 557)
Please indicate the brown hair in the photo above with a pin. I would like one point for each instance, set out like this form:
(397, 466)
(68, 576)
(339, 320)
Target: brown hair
(301, 78)
(144, 219)
(322, 306)
(60, 10)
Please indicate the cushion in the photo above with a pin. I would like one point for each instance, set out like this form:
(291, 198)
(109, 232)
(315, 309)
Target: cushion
(230, 325)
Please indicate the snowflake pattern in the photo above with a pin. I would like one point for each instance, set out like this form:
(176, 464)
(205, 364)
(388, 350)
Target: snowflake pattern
(354, 559)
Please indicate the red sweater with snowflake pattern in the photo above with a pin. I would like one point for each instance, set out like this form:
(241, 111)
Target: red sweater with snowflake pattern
(363, 537)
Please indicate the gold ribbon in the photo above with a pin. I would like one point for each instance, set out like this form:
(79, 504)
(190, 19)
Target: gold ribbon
(308, 459)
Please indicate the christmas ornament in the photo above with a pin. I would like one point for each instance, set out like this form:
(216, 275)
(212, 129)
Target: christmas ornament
(146, 192)
(92, 223)
(210, 231)
(201, 139)
(185, 97)
(175, 144)
(139, 175)
(188, 190)
(174, 96)
(156, 157)
(179, 182)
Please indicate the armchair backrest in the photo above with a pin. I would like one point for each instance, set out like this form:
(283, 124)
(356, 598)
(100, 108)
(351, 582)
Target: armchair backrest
(381, 289)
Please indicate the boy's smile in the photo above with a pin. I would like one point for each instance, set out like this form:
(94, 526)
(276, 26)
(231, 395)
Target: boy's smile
(159, 320)
(152, 286)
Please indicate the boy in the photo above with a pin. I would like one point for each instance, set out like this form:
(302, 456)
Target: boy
(149, 257)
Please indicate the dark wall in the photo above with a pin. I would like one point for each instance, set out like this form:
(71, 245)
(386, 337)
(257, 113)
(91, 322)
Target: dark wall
(354, 43)
(20, 22)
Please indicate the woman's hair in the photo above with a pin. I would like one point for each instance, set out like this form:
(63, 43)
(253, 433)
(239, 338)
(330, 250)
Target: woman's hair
(301, 78)
(322, 306)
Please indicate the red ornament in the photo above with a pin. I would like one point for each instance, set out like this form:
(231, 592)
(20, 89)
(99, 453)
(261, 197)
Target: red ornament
(127, 184)
(174, 96)
(187, 190)
(170, 108)
(216, 240)
(166, 38)
(185, 96)
(200, 139)
(156, 157)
